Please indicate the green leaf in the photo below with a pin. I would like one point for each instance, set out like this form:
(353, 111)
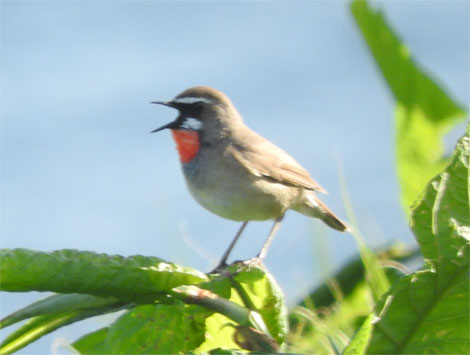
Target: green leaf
(39, 326)
(51, 313)
(33, 330)
(149, 329)
(252, 327)
(93, 343)
(360, 341)
(333, 312)
(441, 218)
(420, 316)
(428, 312)
(424, 111)
(71, 271)
(266, 297)
(218, 333)
(60, 304)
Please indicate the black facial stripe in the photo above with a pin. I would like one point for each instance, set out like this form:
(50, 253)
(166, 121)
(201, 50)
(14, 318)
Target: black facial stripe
(190, 109)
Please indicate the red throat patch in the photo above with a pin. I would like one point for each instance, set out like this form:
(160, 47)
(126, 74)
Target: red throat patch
(187, 144)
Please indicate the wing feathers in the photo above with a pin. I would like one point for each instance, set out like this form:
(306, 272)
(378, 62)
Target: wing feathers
(264, 159)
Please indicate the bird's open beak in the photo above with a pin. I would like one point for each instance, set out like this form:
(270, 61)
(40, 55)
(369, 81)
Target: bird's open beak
(170, 125)
(174, 124)
(165, 103)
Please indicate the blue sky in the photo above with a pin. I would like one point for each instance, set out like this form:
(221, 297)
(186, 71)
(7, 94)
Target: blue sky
(80, 169)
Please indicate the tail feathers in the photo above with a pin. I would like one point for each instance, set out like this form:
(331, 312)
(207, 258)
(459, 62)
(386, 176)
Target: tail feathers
(333, 221)
(313, 207)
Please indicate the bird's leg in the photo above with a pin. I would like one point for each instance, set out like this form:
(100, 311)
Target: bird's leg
(264, 249)
(258, 259)
(223, 261)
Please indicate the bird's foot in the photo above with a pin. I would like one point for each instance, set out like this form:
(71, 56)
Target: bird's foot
(218, 269)
(255, 262)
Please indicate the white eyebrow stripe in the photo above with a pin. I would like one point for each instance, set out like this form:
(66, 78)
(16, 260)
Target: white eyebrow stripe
(191, 100)
(191, 123)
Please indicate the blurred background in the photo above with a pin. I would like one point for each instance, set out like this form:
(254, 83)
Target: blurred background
(80, 170)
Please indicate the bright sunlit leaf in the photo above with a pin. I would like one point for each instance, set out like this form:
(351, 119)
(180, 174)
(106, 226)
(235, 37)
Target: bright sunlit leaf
(424, 111)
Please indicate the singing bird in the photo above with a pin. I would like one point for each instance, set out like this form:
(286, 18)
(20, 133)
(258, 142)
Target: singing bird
(236, 173)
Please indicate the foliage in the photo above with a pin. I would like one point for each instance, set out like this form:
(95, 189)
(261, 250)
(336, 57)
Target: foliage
(427, 311)
(170, 309)
(424, 111)
(130, 278)
(423, 312)
(363, 308)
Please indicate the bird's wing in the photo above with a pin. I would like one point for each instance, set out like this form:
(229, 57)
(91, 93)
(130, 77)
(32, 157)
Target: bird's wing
(264, 159)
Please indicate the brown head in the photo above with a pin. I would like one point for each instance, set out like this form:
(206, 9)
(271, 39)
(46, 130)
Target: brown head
(206, 115)
(203, 108)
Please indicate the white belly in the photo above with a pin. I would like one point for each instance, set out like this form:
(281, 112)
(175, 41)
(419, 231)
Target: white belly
(243, 200)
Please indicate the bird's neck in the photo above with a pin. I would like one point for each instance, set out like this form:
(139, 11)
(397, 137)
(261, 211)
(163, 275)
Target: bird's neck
(187, 144)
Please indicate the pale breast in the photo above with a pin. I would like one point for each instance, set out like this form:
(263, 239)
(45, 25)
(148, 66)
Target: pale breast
(227, 189)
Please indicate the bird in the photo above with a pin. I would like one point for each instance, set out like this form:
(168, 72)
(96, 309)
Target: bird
(234, 172)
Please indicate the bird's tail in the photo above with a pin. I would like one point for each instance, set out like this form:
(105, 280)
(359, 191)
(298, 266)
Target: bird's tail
(313, 207)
